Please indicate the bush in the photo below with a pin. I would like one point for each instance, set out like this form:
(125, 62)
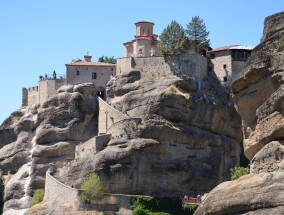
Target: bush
(238, 171)
(189, 209)
(157, 205)
(92, 188)
(37, 196)
(140, 211)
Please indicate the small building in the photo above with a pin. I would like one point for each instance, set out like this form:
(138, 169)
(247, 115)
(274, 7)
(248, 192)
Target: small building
(144, 43)
(82, 71)
(228, 61)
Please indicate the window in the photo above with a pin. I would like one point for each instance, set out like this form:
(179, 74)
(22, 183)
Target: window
(241, 55)
(225, 79)
(224, 66)
(212, 56)
(111, 69)
(78, 72)
(94, 75)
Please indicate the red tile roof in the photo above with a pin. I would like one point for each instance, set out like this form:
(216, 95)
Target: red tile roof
(85, 63)
(144, 21)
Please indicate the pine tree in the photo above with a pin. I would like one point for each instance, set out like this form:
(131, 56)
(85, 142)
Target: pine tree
(173, 40)
(197, 33)
(106, 59)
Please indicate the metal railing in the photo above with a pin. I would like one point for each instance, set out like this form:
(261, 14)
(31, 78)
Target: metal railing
(51, 77)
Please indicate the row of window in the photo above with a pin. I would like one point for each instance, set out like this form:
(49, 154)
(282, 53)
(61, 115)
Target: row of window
(94, 74)
(241, 55)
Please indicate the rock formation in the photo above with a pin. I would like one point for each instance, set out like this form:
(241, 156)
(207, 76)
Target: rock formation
(187, 140)
(35, 138)
(258, 94)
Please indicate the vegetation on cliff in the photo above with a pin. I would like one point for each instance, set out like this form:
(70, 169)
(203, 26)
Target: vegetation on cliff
(37, 196)
(238, 171)
(92, 188)
(159, 206)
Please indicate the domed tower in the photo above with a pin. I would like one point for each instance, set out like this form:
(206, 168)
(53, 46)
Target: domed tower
(145, 42)
(144, 28)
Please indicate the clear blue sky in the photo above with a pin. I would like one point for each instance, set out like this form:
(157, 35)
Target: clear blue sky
(38, 37)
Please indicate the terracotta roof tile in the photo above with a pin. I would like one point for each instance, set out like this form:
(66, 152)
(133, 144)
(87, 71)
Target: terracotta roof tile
(85, 63)
(144, 21)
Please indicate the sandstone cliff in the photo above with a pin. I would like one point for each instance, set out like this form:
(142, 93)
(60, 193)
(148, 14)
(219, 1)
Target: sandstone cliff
(183, 135)
(35, 138)
(187, 140)
(258, 94)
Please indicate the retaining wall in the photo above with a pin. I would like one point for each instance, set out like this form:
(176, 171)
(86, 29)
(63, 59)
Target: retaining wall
(181, 65)
(108, 116)
(92, 146)
(58, 193)
(124, 127)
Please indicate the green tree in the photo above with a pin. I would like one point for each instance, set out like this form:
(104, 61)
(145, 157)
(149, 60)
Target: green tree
(238, 171)
(54, 74)
(92, 188)
(197, 33)
(106, 59)
(173, 40)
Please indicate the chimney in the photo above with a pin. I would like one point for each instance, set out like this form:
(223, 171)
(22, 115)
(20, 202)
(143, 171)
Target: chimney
(88, 57)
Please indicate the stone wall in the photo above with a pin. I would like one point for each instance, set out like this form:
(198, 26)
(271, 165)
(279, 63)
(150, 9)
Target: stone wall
(57, 193)
(30, 96)
(47, 88)
(221, 64)
(237, 67)
(151, 67)
(92, 146)
(124, 127)
(103, 75)
(108, 115)
(25, 95)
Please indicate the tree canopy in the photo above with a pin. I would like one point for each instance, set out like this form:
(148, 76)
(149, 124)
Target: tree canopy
(106, 59)
(173, 40)
(197, 33)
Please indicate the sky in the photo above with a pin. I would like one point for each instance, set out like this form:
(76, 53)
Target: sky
(37, 37)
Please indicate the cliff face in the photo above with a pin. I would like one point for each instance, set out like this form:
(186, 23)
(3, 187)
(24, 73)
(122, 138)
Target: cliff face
(183, 136)
(258, 91)
(34, 139)
(187, 140)
(258, 94)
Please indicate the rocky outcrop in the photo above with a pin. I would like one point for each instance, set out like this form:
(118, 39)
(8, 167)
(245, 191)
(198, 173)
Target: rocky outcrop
(187, 140)
(38, 137)
(259, 91)
(258, 95)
